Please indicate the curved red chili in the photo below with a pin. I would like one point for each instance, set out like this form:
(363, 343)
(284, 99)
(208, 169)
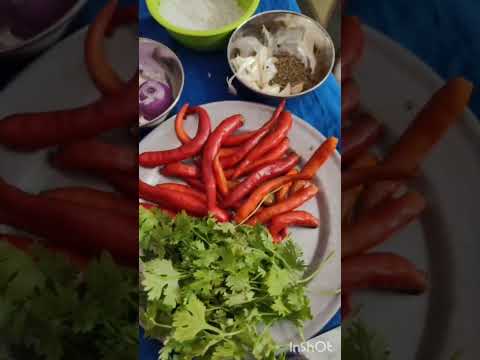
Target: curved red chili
(291, 203)
(282, 194)
(269, 142)
(385, 271)
(239, 154)
(172, 200)
(359, 137)
(256, 197)
(123, 16)
(101, 72)
(185, 151)
(220, 178)
(196, 184)
(182, 188)
(125, 183)
(179, 120)
(291, 218)
(272, 156)
(212, 147)
(378, 224)
(181, 170)
(268, 172)
(319, 157)
(94, 198)
(39, 130)
(72, 225)
(233, 140)
(97, 156)
(358, 176)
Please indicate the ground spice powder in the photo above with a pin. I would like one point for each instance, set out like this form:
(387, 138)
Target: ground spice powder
(292, 70)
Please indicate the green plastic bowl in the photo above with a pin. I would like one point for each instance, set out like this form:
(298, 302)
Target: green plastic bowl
(202, 40)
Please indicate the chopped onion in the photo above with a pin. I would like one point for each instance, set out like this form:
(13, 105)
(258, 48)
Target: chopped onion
(154, 98)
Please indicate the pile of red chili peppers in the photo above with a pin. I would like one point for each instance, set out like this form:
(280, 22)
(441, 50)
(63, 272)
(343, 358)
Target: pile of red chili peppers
(233, 176)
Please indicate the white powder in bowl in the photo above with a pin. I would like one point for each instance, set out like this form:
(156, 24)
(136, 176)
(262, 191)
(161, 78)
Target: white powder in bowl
(200, 14)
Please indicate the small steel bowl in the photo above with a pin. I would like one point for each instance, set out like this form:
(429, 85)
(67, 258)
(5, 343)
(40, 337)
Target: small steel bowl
(325, 49)
(41, 41)
(175, 77)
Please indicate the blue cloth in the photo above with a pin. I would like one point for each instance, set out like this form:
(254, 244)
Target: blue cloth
(321, 108)
(443, 33)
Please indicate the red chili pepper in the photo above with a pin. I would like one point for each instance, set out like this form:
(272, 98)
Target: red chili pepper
(101, 72)
(26, 244)
(292, 218)
(225, 152)
(272, 156)
(196, 184)
(172, 200)
(39, 130)
(185, 151)
(181, 170)
(212, 147)
(268, 172)
(179, 120)
(377, 225)
(384, 271)
(319, 157)
(98, 157)
(126, 184)
(185, 189)
(220, 178)
(293, 202)
(243, 150)
(298, 185)
(123, 16)
(260, 193)
(441, 112)
(360, 136)
(94, 198)
(350, 197)
(269, 142)
(359, 176)
(282, 194)
(71, 225)
(241, 138)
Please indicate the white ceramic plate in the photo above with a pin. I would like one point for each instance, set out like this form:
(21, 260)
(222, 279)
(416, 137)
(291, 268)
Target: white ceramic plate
(59, 77)
(316, 244)
(394, 85)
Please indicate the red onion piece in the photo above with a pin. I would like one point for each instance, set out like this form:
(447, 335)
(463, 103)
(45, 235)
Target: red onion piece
(154, 98)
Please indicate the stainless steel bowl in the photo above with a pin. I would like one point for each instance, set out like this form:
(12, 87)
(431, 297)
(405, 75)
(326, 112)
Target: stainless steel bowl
(325, 49)
(41, 41)
(175, 76)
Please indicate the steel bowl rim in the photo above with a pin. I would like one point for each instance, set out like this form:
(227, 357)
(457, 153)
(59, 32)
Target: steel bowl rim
(68, 16)
(320, 27)
(154, 121)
